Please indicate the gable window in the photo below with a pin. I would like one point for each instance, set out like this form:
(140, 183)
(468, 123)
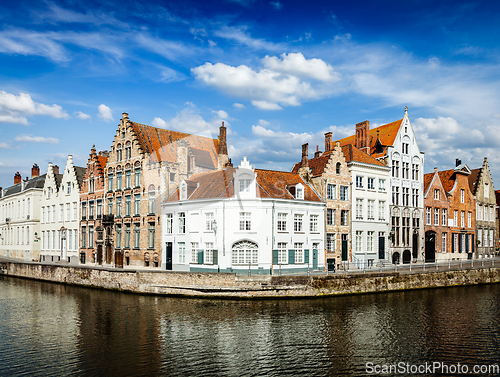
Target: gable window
(91, 185)
(245, 185)
(128, 150)
(436, 194)
(245, 221)
(359, 182)
(462, 196)
(395, 169)
(486, 190)
(281, 222)
(330, 216)
(371, 183)
(297, 222)
(299, 192)
(344, 194)
(337, 168)
(314, 223)
(182, 223)
(331, 191)
(68, 188)
(118, 152)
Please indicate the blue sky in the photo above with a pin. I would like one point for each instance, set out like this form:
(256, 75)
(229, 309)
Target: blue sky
(279, 73)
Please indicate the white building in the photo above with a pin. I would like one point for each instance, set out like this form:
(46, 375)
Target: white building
(20, 216)
(233, 220)
(60, 213)
(370, 207)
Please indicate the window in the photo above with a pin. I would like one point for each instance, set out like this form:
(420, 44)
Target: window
(330, 243)
(281, 222)
(491, 214)
(371, 209)
(282, 253)
(91, 185)
(128, 150)
(359, 182)
(137, 204)
(91, 210)
(54, 213)
(151, 236)
(344, 217)
(127, 236)
(406, 196)
(137, 177)
(337, 168)
(110, 206)
(245, 185)
(75, 210)
(369, 241)
(128, 179)
(169, 223)
(485, 218)
(68, 188)
(68, 211)
(299, 193)
(330, 191)
(91, 237)
(314, 223)
(444, 215)
(359, 209)
(137, 235)
(359, 237)
(462, 196)
(84, 238)
(406, 170)
(395, 195)
(381, 184)
(128, 205)
(245, 252)
(299, 252)
(110, 182)
(194, 252)
(119, 206)
(415, 197)
(462, 219)
(436, 216)
(444, 236)
(119, 181)
(405, 148)
(84, 211)
(330, 216)
(344, 193)
(428, 215)
(371, 183)
(469, 219)
(455, 218)
(182, 252)
(395, 169)
(491, 237)
(245, 221)
(381, 210)
(209, 221)
(209, 253)
(119, 153)
(436, 194)
(76, 240)
(151, 199)
(43, 214)
(297, 222)
(182, 223)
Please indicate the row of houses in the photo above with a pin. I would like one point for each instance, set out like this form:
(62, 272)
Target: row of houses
(170, 200)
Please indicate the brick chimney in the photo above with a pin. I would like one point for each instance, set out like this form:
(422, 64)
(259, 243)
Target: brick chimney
(328, 141)
(222, 152)
(305, 158)
(363, 136)
(17, 178)
(55, 169)
(35, 171)
(458, 162)
(318, 152)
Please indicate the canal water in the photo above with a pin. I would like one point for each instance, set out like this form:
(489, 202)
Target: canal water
(55, 330)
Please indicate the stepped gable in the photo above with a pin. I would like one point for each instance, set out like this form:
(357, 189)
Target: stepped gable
(386, 134)
(474, 179)
(317, 165)
(219, 184)
(160, 143)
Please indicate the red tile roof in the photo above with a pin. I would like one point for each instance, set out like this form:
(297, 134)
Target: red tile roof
(160, 143)
(270, 184)
(351, 153)
(427, 180)
(447, 178)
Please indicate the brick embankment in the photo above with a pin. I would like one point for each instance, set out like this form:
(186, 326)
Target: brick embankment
(233, 286)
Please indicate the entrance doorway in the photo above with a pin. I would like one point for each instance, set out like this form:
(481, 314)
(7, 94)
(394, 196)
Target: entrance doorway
(99, 254)
(330, 262)
(168, 256)
(430, 246)
(415, 245)
(406, 257)
(381, 245)
(395, 258)
(344, 247)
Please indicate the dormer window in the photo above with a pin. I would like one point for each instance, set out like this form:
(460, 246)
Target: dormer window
(299, 191)
(245, 185)
(183, 191)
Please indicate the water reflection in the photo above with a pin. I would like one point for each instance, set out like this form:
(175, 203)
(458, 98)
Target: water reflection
(51, 329)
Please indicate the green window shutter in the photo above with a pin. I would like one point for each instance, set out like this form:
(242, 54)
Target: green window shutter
(291, 256)
(216, 256)
(200, 256)
(306, 256)
(275, 256)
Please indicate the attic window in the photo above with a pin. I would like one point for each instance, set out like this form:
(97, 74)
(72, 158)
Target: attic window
(245, 185)
(299, 193)
(337, 168)
(183, 191)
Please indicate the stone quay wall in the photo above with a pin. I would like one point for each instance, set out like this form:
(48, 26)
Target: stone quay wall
(220, 285)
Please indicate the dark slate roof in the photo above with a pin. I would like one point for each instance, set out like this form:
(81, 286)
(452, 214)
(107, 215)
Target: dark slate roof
(202, 158)
(37, 182)
(58, 178)
(474, 179)
(79, 172)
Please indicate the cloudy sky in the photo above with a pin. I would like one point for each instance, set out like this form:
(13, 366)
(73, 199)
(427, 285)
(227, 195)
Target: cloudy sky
(279, 73)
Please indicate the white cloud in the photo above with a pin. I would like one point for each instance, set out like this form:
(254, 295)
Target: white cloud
(297, 65)
(264, 123)
(82, 116)
(221, 114)
(16, 109)
(238, 106)
(189, 121)
(239, 34)
(5, 146)
(104, 112)
(270, 89)
(276, 4)
(36, 139)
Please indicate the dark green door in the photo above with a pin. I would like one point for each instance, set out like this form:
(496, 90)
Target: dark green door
(381, 248)
(344, 250)
(315, 258)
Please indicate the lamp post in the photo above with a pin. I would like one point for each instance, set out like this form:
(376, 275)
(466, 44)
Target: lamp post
(63, 244)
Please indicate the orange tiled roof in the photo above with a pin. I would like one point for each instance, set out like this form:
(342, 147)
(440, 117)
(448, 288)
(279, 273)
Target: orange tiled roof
(386, 133)
(270, 184)
(102, 161)
(474, 179)
(160, 143)
(317, 165)
(427, 180)
(447, 179)
(351, 153)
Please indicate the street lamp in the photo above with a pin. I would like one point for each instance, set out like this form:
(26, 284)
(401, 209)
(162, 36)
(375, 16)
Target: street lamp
(63, 243)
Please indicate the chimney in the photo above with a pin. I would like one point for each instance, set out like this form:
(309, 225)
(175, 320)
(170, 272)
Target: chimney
(362, 136)
(305, 161)
(435, 170)
(104, 153)
(328, 141)
(318, 152)
(55, 169)
(17, 178)
(458, 162)
(1, 192)
(35, 171)
(222, 152)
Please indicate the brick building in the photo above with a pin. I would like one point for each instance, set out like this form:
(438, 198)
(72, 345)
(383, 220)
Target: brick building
(481, 186)
(145, 165)
(95, 226)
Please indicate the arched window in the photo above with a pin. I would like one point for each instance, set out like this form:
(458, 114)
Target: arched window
(119, 152)
(151, 199)
(128, 150)
(137, 175)
(337, 168)
(244, 253)
(128, 176)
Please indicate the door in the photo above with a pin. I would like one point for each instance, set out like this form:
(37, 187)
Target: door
(109, 254)
(415, 245)
(315, 259)
(430, 246)
(406, 257)
(99, 254)
(119, 259)
(168, 256)
(330, 264)
(344, 247)
(381, 247)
